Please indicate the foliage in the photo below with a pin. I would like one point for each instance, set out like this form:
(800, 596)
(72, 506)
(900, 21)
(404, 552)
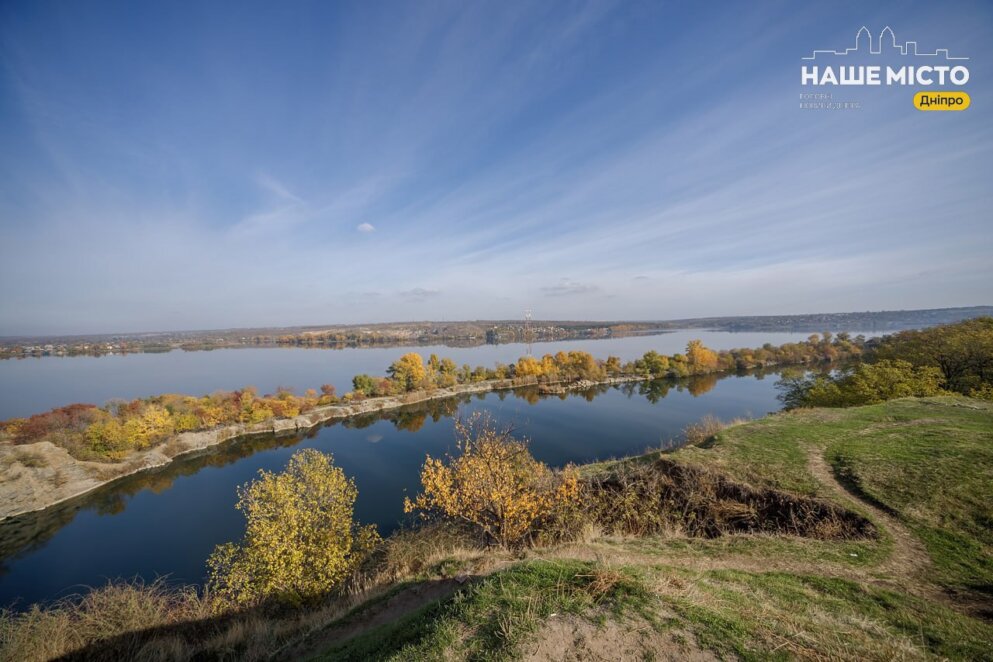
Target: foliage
(493, 483)
(113, 431)
(866, 384)
(408, 371)
(962, 351)
(699, 358)
(300, 538)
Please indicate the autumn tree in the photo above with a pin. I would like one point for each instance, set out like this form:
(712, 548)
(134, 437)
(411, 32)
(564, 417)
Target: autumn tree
(408, 371)
(528, 366)
(300, 537)
(962, 351)
(700, 358)
(494, 483)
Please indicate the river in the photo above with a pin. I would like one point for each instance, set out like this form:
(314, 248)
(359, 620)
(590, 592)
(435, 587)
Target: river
(167, 522)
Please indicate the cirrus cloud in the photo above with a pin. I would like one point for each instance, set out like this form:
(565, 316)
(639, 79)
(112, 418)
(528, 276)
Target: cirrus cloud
(567, 287)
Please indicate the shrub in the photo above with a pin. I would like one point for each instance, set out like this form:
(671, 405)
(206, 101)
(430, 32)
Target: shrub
(494, 483)
(300, 539)
(868, 383)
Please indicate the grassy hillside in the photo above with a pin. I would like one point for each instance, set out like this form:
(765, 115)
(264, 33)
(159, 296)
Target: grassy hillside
(911, 577)
(919, 469)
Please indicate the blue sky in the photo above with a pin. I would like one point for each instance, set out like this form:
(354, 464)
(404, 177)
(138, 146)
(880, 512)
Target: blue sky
(182, 165)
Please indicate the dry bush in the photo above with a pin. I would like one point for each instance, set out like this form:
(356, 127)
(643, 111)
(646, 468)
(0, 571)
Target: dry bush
(32, 459)
(657, 498)
(602, 581)
(410, 552)
(117, 610)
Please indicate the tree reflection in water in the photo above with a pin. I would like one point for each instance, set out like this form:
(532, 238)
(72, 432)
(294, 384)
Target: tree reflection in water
(28, 532)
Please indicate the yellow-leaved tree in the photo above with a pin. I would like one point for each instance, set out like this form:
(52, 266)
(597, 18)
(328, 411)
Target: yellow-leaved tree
(493, 483)
(701, 359)
(408, 371)
(300, 538)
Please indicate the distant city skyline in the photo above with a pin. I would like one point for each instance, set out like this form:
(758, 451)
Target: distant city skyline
(172, 166)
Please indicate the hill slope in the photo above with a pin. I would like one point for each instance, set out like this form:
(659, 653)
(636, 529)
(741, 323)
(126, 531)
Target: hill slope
(920, 470)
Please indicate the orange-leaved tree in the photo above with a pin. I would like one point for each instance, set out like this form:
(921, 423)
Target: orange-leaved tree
(494, 483)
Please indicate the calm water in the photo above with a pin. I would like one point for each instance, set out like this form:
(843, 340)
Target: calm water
(29, 386)
(167, 523)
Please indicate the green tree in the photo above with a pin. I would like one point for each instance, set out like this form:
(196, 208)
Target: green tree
(962, 351)
(868, 383)
(653, 363)
(364, 384)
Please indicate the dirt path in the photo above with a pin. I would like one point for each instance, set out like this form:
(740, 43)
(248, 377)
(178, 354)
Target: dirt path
(908, 564)
(385, 611)
(905, 569)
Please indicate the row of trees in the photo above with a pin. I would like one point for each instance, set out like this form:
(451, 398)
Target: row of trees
(952, 358)
(411, 373)
(865, 384)
(120, 427)
(113, 431)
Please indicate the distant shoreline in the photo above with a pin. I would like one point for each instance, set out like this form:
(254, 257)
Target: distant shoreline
(468, 333)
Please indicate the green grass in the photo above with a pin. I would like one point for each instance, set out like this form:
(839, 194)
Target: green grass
(763, 453)
(765, 616)
(488, 620)
(747, 615)
(930, 461)
(844, 553)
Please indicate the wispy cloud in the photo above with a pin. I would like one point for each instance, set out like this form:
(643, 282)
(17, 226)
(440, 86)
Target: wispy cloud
(479, 158)
(568, 288)
(277, 188)
(419, 294)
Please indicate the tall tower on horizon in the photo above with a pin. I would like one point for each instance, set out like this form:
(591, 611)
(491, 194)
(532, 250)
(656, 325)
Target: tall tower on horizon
(527, 330)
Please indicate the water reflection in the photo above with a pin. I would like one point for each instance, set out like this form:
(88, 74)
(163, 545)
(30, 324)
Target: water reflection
(32, 531)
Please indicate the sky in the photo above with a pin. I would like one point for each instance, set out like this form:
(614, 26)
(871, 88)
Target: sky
(179, 165)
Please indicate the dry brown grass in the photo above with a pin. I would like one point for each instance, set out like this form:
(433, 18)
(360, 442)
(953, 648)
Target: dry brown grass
(707, 428)
(117, 610)
(665, 496)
